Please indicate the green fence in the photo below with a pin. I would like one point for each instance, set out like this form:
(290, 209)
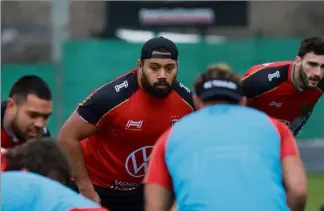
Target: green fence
(89, 64)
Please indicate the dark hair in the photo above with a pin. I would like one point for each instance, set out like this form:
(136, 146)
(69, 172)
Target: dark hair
(219, 71)
(30, 85)
(311, 44)
(41, 156)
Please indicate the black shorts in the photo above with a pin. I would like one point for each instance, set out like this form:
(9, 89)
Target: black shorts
(116, 200)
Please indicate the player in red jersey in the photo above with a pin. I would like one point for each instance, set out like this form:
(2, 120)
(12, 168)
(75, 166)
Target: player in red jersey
(23, 181)
(289, 90)
(120, 123)
(25, 114)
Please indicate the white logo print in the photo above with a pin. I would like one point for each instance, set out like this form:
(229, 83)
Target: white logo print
(135, 125)
(122, 85)
(276, 104)
(219, 83)
(183, 86)
(137, 162)
(274, 75)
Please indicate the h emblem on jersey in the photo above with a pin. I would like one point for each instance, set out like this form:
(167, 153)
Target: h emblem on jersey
(122, 85)
(134, 125)
(274, 75)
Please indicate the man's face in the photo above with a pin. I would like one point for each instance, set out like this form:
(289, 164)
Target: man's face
(29, 117)
(311, 69)
(158, 75)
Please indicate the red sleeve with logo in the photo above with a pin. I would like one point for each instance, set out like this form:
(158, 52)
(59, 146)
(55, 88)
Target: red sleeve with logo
(158, 171)
(288, 144)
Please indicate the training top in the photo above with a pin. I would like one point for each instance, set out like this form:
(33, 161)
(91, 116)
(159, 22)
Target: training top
(26, 191)
(224, 157)
(128, 121)
(269, 88)
(8, 138)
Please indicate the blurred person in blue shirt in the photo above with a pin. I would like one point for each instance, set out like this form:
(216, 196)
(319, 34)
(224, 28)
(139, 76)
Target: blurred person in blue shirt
(26, 191)
(225, 156)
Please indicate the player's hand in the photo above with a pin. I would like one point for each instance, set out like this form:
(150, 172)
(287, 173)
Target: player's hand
(91, 194)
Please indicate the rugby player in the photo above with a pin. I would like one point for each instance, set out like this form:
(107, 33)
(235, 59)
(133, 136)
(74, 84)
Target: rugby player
(289, 90)
(119, 123)
(25, 114)
(41, 156)
(26, 191)
(225, 156)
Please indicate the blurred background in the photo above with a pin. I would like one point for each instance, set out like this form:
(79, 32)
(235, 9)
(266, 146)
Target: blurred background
(77, 46)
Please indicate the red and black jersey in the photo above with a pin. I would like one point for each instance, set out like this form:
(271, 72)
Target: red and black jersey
(269, 88)
(128, 121)
(8, 138)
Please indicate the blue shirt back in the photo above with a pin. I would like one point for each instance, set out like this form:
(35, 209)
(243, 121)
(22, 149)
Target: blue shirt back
(25, 191)
(227, 158)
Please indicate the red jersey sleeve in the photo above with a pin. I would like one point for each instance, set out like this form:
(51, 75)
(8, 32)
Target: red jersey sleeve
(3, 161)
(288, 146)
(157, 171)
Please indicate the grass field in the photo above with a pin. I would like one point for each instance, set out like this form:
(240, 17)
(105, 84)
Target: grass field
(315, 191)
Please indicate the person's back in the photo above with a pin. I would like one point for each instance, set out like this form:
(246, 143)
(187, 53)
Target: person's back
(234, 166)
(225, 156)
(25, 191)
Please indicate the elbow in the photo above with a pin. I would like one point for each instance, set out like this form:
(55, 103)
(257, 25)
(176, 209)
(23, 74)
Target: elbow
(298, 193)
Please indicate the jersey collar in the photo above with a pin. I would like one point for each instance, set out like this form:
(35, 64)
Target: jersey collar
(5, 126)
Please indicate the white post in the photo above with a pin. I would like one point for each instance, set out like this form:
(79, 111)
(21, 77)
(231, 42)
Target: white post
(60, 17)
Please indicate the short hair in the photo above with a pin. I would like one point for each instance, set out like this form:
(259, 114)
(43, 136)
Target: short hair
(220, 71)
(41, 156)
(30, 85)
(311, 44)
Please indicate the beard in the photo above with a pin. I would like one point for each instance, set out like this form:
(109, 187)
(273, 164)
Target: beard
(154, 89)
(305, 79)
(20, 133)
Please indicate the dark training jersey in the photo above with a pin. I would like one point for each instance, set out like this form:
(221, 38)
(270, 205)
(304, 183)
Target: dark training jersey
(128, 121)
(269, 88)
(8, 139)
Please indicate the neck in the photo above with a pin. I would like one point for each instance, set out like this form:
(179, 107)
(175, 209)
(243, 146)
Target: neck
(296, 77)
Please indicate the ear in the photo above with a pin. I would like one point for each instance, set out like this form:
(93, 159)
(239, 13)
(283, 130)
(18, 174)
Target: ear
(197, 102)
(11, 103)
(139, 64)
(243, 101)
(298, 59)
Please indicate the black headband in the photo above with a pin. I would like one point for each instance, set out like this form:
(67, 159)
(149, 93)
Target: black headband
(218, 89)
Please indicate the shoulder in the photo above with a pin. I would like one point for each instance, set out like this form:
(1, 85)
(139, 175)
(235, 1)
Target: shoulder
(184, 92)
(107, 97)
(264, 77)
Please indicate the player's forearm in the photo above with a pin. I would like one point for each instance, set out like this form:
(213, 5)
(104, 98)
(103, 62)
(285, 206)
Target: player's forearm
(296, 202)
(75, 154)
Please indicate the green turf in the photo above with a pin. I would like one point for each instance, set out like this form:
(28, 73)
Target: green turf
(315, 191)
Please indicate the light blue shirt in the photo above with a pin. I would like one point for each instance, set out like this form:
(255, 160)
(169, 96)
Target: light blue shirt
(226, 158)
(25, 191)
